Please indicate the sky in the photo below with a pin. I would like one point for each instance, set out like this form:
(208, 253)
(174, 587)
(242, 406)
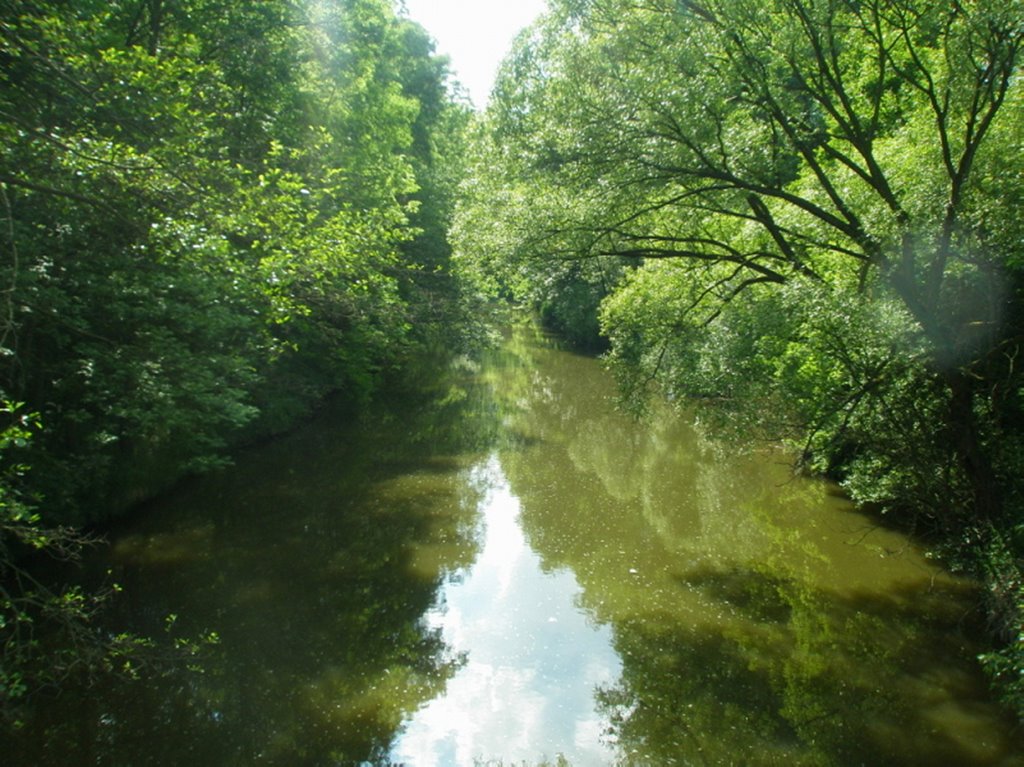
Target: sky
(475, 35)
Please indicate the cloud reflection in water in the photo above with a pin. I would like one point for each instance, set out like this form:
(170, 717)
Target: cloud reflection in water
(533, 660)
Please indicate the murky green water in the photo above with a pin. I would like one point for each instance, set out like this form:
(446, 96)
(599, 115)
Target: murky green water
(515, 573)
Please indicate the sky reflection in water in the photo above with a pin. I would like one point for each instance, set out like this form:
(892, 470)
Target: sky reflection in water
(533, 660)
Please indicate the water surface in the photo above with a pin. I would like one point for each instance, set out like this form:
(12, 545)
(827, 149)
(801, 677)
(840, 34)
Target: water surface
(510, 571)
(532, 656)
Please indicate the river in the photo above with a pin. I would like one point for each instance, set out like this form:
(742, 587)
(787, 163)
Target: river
(511, 572)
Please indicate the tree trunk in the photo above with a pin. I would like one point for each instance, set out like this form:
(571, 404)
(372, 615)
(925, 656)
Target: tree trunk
(156, 18)
(966, 438)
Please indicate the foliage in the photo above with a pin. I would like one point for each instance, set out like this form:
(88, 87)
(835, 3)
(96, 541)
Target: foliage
(809, 206)
(47, 633)
(502, 212)
(1005, 580)
(212, 214)
(207, 208)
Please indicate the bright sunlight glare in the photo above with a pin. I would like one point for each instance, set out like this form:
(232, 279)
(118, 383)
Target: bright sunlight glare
(475, 34)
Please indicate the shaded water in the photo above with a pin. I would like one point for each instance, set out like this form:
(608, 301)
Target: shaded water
(514, 572)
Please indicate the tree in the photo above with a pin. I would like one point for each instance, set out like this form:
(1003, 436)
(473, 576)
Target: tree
(207, 223)
(815, 202)
(829, 160)
(210, 208)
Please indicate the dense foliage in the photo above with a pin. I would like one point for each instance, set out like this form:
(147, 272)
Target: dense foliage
(803, 212)
(212, 213)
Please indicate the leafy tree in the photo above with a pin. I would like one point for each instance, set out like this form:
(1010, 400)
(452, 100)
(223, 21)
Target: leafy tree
(829, 161)
(209, 204)
(504, 212)
(814, 202)
(208, 219)
(436, 153)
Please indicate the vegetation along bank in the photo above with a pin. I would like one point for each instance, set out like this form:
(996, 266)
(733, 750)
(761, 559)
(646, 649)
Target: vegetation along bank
(805, 214)
(802, 213)
(212, 214)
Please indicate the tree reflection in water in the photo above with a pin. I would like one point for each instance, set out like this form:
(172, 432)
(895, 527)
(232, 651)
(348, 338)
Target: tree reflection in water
(759, 619)
(315, 559)
(755, 617)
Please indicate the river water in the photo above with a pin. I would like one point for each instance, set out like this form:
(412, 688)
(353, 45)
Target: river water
(510, 572)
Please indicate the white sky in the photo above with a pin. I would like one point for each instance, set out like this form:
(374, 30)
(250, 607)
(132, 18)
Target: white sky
(475, 35)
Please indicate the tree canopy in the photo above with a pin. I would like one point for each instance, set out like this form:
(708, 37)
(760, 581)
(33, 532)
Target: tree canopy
(804, 197)
(211, 208)
(801, 212)
(212, 214)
